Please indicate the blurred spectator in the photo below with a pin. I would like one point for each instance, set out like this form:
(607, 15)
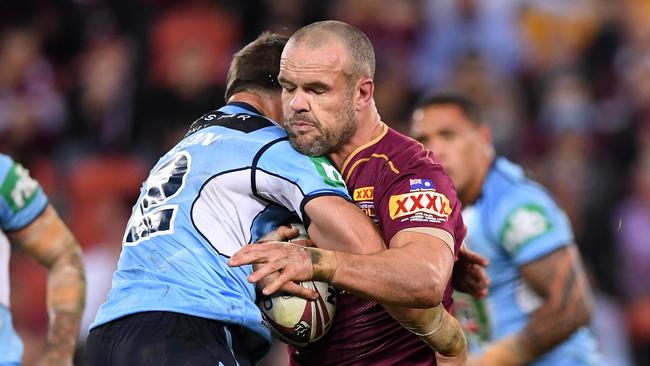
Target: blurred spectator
(608, 325)
(102, 104)
(96, 184)
(455, 28)
(32, 110)
(285, 16)
(393, 26)
(556, 31)
(566, 105)
(191, 45)
(631, 220)
(503, 111)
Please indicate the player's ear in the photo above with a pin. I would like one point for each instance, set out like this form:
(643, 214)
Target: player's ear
(486, 133)
(365, 91)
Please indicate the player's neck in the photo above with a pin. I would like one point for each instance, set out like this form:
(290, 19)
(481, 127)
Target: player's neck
(475, 187)
(262, 104)
(369, 126)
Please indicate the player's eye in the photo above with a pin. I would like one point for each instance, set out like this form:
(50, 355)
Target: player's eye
(287, 87)
(447, 135)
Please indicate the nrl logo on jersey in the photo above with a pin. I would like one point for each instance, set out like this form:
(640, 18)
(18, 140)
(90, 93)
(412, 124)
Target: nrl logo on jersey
(327, 171)
(433, 203)
(19, 188)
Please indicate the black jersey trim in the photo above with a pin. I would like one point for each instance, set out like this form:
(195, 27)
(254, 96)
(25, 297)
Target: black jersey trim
(243, 122)
(256, 160)
(245, 106)
(305, 218)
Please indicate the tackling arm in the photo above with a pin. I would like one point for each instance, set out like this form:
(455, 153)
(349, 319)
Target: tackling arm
(560, 280)
(50, 243)
(414, 273)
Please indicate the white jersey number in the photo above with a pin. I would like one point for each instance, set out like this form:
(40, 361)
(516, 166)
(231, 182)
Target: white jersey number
(152, 217)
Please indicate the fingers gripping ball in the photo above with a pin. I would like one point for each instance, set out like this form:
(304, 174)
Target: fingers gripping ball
(298, 321)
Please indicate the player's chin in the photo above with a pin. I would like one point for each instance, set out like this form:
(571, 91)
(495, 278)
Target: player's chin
(304, 143)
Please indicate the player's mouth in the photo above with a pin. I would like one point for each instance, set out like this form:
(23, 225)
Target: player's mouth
(301, 127)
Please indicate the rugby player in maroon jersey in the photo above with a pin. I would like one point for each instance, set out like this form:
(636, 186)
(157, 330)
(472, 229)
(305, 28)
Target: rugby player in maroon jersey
(326, 74)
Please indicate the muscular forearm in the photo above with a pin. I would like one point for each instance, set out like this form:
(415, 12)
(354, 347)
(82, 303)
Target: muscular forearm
(552, 324)
(561, 282)
(390, 277)
(49, 242)
(435, 326)
(65, 300)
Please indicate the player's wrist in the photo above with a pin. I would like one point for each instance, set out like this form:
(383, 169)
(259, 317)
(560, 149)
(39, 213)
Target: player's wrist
(439, 329)
(506, 352)
(447, 337)
(324, 264)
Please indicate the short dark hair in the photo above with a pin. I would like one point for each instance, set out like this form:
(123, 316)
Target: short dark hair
(257, 65)
(355, 42)
(468, 106)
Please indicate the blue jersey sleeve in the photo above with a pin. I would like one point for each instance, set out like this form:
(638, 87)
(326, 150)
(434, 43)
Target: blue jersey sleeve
(529, 224)
(21, 198)
(290, 179)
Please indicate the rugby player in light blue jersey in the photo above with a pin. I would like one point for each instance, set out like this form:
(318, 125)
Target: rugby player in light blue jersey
(539, 301)
(230, 180)
(29, 223)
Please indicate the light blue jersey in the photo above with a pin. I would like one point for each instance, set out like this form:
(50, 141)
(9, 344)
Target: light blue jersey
(233, 178)
(514, 222)
(21, 201)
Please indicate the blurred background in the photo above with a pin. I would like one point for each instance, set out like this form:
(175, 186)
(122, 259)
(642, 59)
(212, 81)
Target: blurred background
(92, 92)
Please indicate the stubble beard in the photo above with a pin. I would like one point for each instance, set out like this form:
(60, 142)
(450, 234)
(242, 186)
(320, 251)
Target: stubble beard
(325, 141)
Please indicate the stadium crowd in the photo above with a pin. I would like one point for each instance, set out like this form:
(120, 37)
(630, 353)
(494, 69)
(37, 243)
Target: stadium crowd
(92, 91)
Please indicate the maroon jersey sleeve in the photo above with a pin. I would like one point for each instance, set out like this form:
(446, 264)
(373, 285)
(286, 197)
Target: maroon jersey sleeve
(420, 196)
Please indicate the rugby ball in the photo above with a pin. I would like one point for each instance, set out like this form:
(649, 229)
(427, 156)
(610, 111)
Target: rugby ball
(298, 321)
(295, 320)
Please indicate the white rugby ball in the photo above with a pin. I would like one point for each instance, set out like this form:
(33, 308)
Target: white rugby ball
(298, 321)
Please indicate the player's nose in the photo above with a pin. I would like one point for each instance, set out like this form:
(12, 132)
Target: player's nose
(299, 102)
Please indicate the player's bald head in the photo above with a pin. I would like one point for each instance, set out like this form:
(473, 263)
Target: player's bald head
(359, 51)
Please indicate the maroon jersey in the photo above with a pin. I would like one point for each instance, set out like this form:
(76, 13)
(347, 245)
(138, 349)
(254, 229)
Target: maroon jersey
(395, 181)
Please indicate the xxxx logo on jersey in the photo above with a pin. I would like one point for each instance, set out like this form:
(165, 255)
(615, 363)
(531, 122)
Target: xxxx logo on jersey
(363, 197)
(363, 194)
(432, 202)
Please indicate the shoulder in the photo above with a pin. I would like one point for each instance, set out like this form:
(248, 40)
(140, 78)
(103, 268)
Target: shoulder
(507, 184)
(5, 164)
(21, 197)
(522, 211)
(406, 154)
